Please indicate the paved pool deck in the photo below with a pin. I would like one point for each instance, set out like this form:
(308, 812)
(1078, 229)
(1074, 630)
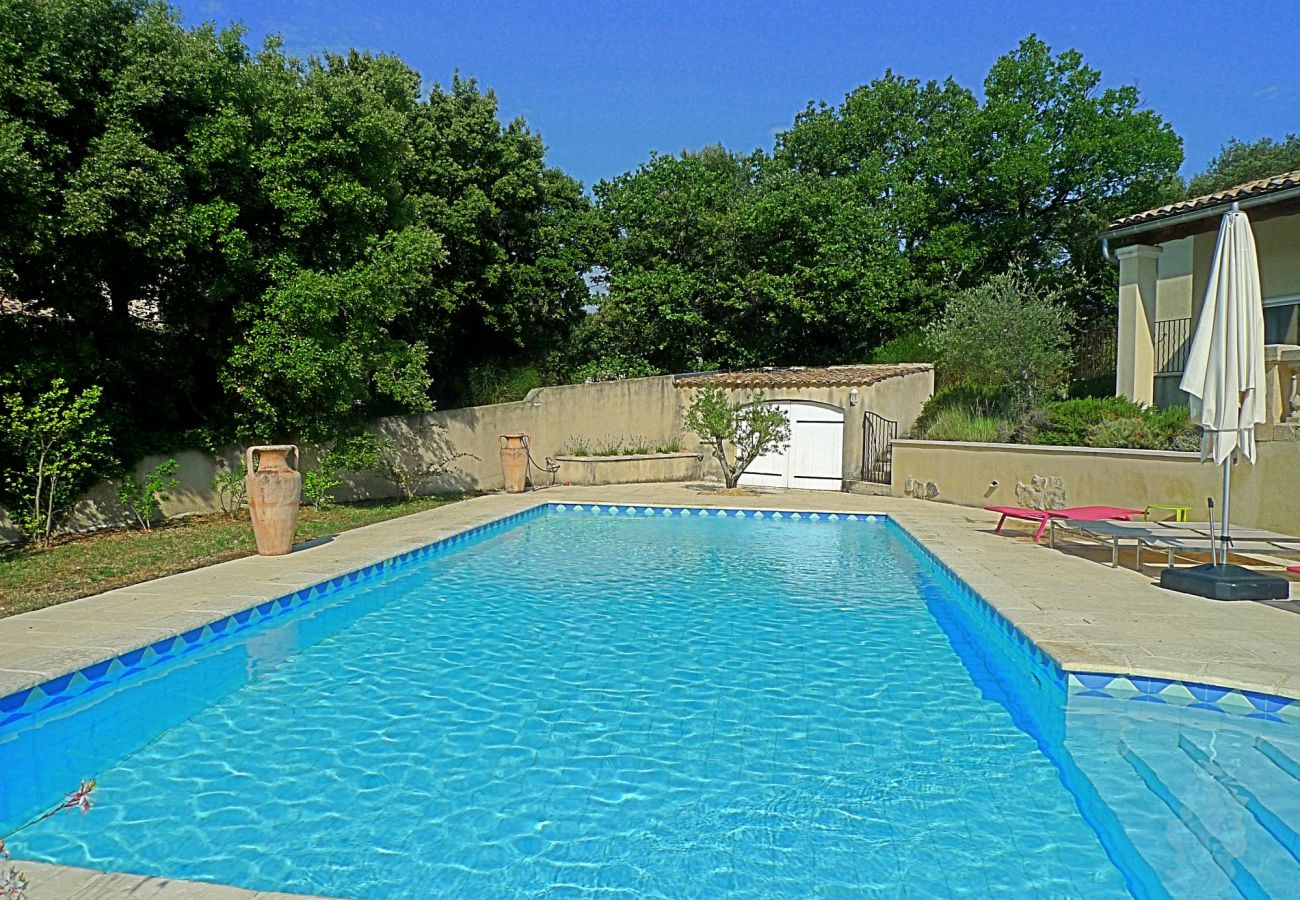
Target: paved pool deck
(1086, 615)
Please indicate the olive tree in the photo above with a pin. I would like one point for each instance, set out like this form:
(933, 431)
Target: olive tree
(1006, 334)
(750, 429)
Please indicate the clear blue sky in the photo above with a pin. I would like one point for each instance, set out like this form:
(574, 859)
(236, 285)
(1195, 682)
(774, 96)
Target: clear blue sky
(606, 83)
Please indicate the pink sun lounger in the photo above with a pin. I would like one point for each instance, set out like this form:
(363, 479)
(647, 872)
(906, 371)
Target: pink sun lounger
(1043, 516)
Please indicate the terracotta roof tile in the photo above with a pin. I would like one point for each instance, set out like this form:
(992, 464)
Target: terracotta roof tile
(802, 376)
(1255, 188)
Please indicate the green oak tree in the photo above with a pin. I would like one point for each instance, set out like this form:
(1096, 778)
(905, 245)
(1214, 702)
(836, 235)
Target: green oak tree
(868, 215)
(289, 246)
(1054, 158)
(1241, 161)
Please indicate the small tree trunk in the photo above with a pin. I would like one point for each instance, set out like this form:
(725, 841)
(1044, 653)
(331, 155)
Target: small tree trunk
(49, 512)
(38, 507)
(730, 475)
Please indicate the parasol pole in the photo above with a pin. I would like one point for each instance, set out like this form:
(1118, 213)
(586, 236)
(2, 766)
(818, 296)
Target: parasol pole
(1227, 508)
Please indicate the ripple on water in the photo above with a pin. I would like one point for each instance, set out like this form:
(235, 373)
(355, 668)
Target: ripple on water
(635, 705)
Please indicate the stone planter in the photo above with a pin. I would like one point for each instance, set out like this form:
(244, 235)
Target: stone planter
(629, 469)
(274, 489)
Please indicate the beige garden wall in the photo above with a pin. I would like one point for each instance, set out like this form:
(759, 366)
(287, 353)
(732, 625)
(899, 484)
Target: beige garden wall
(605, 412)
(635, 409)
(1265, 495)
(646, 411)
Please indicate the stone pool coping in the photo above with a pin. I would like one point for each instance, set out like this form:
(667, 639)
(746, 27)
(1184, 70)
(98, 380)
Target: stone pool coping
(1085, 616)
(51, 882)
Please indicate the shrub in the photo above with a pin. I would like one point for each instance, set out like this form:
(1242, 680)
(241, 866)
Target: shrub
(576, 446)
(972, 414)
(1131, 432)
(140, 497)
(1115, 422)
(591, 354)
(317, 484)
(1066, 423)
(611, 368)
(52, 448)
(906, 348)
(635, 445)
(416, 458)
(357, 453)
(231, 489)
(1164, 429)
(751, 429)
(1177, 429)
(496, 381)
(1005, 333)
(958, 424)
(975, 401)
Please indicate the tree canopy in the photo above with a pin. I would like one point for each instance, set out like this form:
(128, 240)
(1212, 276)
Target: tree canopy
(286, 246)
(1240, 161)
(868, 215)
(230, 241)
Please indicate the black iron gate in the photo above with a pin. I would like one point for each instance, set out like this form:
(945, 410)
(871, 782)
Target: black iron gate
(878, 435)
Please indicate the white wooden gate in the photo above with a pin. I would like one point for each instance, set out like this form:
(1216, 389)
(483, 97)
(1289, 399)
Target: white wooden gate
(814, 459)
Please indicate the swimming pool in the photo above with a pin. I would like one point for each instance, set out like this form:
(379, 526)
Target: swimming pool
(649, 703)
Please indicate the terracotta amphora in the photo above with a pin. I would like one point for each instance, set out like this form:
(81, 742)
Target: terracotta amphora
(514, 461)
(273, 493)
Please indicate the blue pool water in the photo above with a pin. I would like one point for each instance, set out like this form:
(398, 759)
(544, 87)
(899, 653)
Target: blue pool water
(641, 706)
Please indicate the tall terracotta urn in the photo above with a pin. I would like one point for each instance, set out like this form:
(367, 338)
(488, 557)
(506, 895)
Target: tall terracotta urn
(514, 461)
(273, 492)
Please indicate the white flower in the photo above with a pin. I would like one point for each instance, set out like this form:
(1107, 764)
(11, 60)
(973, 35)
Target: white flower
(13, 885)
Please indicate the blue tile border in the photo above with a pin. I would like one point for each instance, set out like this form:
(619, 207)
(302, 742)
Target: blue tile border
(1190, 694)
(57, 691)
(1027, 655)
(53, 692)
(1148, 689)
(718, 512)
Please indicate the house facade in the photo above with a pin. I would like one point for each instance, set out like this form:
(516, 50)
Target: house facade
(1164, 258)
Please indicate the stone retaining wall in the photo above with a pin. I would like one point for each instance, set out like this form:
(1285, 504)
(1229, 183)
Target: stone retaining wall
(1265, 495)
(629, 469)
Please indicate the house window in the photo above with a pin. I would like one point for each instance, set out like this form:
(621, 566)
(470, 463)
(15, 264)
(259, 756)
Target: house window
(1282, 321)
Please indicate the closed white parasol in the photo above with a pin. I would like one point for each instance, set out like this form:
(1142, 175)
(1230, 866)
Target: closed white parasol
(1225, 365)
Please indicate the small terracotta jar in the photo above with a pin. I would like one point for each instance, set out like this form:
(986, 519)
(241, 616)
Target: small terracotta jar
(274, 489)
(514, 461)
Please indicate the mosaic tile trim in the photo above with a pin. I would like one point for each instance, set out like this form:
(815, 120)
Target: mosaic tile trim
(639, 509)
(1190, 694)
(102, 675)
(1133, 688)
(1039, 661)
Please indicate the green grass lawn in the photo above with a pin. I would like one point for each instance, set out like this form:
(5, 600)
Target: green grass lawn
(90, 564)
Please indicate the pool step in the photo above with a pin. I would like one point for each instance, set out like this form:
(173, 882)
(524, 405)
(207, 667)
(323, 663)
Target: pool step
(1236, 801)
(1275, 825)
(1237, 874)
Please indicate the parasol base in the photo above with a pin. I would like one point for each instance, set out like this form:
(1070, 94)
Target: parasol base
(1225, 582)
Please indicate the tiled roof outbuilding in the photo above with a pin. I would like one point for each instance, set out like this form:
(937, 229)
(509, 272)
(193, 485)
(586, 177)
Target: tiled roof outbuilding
(802, 376)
